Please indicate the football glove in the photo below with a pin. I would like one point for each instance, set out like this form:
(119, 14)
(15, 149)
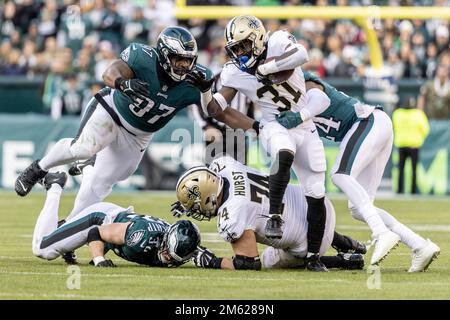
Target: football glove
(198, 79)
(289, 119)
(264, 79)
(177, 209)
(103, 264)
(205, 258)
(135, 89)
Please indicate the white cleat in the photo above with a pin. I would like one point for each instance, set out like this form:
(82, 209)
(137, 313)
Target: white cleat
(384, 244)
(424, 256)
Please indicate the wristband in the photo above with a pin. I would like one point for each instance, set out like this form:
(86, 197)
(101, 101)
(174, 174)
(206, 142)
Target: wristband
(221, 101)
(97, 260)
(117, 82)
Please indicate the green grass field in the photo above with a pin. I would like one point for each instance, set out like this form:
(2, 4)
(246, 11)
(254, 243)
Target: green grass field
(23, 276)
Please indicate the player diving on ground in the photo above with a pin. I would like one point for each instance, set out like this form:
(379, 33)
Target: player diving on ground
(105, 226)
(239, 196)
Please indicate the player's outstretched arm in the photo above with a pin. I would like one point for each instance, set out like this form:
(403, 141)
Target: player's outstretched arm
(217, 107)
(316, 103)
(112, 233)
(246, 255)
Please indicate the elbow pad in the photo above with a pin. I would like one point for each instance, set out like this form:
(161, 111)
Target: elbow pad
(247, 263)
(94, 235)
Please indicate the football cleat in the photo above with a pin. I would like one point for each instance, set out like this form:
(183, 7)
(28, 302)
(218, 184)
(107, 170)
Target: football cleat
(59, 178)
(313, 263)
(273, 227)
(385, 242)
(70, 258)
(28, 178)
(77, 167)
(423, 257)
(352, 261)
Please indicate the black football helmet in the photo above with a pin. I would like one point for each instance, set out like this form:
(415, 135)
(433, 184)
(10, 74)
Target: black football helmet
(176, 42)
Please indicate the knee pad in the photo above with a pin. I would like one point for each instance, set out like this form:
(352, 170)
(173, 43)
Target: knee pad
(315, 190)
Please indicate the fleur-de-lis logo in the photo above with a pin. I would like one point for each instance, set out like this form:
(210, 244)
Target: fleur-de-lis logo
(193, 193)
(253, 24)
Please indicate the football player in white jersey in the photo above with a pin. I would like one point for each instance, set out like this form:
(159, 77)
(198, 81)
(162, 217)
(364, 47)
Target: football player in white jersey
(250, 72)
(365, 135)
(239, 196)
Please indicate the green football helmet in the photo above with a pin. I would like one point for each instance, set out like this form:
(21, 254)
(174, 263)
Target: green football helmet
(179, 243)
(176, 43)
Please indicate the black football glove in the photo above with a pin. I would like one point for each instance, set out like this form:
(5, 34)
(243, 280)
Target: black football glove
(106, 264)
(205, 258)
(135, 89)
(103, 264)
(264, 79)
(177, 209)
(198, 80)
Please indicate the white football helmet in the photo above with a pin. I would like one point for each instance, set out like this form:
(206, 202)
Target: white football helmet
(245, 40)
(197, 191)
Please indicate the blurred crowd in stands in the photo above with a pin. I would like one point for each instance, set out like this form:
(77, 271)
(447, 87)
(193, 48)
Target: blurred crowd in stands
(71, 43)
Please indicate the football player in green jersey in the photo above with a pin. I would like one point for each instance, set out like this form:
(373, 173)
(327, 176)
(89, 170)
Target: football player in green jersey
(105, 226)
(365, 135)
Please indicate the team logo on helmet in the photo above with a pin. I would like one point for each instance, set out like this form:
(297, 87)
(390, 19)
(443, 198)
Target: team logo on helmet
(193, 193)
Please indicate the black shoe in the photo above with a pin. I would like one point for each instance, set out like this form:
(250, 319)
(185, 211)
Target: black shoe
(70, 257)
(359, 248)
(313, 263)
(54, 177)
(77, 167)
(352, 261)
(28, 178)
(273, 227)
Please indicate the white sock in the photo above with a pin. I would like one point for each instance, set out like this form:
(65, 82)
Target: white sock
(361, 201)
(408, 237)
(47, 221)
(59, 154)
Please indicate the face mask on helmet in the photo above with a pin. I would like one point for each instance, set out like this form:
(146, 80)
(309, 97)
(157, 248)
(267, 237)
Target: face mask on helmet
(177, 51)
(198, 190)
(179, 243)
(246, 38)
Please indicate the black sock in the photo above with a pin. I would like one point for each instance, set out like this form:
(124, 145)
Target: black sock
(342, 243)
(280, 174)
(316, 223)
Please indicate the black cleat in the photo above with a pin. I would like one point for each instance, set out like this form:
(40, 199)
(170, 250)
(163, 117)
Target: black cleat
(54, 177)
(77, 167)
(28, 178)
(313, 263)
(352, 261)
(70, 257)
(359, 247)
(273, 227)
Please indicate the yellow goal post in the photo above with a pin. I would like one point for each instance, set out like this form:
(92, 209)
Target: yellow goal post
(364, 16)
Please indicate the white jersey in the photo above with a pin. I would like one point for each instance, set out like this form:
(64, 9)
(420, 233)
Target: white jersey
(246, 207)
(271, 99)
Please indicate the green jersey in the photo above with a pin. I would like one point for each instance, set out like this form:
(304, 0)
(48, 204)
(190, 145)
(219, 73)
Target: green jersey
(167, 97)
(339, 117)
(142, 239)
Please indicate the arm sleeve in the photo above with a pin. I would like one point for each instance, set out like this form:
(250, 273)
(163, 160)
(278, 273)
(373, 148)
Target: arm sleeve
(290, 54)
(316, 103)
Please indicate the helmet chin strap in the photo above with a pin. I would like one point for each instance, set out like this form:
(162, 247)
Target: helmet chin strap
(242, 61)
